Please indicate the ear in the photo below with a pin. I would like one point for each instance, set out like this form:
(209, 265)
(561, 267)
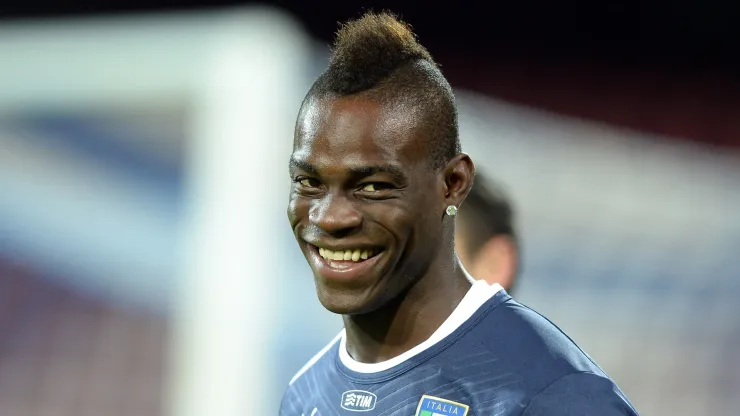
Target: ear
(459, 175)
(496, 262)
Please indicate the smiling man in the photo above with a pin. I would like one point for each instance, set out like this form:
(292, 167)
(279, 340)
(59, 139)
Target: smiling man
(378, 175)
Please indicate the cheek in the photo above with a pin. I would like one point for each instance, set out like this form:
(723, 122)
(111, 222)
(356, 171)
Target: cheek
(407, 221)
(297, 209)
(391, 218)
(428, 225)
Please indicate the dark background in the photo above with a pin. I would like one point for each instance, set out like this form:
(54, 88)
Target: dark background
(670, 68)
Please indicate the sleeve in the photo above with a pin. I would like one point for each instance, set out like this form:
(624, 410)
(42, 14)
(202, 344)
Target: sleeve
(580, 394)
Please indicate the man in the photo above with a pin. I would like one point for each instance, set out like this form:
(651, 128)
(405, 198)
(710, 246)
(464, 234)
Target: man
(485, 238)
(378, 175)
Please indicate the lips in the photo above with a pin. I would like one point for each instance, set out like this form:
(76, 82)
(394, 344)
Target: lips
(343, 264)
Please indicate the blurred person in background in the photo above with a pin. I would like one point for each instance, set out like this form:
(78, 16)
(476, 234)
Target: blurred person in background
(378, 174)
(485, 237)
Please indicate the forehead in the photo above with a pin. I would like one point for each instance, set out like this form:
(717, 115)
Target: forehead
(356, 131)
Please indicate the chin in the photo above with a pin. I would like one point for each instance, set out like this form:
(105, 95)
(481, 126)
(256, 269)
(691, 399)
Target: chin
(341, 305)
(347, 301)
(362, 294)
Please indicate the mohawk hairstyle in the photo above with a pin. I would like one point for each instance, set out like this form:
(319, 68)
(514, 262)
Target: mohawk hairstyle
(378, 56)
(368, 50)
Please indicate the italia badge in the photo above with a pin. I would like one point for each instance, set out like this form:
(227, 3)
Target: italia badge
(434, 406)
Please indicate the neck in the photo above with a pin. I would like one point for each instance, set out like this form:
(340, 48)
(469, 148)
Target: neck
(410, 319)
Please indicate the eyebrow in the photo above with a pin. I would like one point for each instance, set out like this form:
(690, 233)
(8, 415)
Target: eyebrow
(303, 165)
(372, 170)
(354, 171)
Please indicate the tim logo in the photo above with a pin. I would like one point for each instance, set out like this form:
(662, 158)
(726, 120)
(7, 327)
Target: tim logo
(358, 401)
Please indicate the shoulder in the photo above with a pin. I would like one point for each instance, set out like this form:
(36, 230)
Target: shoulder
(554, 372)
(316, 359)
(531, 345)
(582, 393)
(304, 383)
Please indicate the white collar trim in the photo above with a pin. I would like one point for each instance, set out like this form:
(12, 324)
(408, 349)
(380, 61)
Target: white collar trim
(480, 292)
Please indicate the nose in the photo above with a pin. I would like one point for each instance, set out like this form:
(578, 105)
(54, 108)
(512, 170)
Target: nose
(335, 214)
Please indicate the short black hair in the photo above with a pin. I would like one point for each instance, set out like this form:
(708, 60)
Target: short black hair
(487, 212)
(378, 56)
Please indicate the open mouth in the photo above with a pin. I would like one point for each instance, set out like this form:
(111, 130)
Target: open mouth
(353, 255)
(348, 261)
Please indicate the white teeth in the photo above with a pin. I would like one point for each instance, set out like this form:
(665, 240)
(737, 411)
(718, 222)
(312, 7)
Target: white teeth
(345, 255)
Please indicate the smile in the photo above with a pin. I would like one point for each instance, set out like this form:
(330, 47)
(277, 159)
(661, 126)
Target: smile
(344, 264)
(354, 255)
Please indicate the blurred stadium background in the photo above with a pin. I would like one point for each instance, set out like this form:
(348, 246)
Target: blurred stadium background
(146, 266)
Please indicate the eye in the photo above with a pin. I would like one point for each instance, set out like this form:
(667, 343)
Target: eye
(375, 187)
(308, 182)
